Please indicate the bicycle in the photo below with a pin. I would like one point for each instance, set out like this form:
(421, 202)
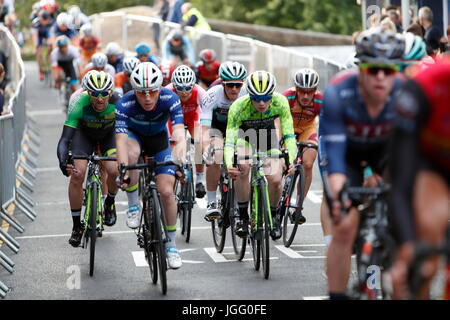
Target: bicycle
(260, 216)
(45, 64)
(152, 233)
(64, 92)
(290, 201)
(92, 195)
(228, 213)
(374, 246)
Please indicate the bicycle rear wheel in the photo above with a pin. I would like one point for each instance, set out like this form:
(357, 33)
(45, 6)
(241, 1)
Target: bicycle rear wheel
(158, 239)
(92, 226)
(264, 214)
(219, 225)
(149, 248)
(290, 219)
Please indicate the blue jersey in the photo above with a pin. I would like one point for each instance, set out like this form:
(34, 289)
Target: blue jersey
(70, 33)
(130, 115)
(345, 123)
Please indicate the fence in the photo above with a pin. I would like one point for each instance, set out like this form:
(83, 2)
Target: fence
(19, 147)
(128, 30)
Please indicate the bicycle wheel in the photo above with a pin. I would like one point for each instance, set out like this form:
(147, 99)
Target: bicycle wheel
(149, 248)
(187, 211)
(92, 226)
(255, 234)
(265, 225)
(158, 239)
(239, 244)
(219, 225)
(290, 219)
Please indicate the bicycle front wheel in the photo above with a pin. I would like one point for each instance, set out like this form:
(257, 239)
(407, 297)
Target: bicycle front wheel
(264, 214)
(219, 225)
(187, 208)
(255, 234)
(149, 248)
(239, 244)
(295, 194)
(93, 226)
(158, 239)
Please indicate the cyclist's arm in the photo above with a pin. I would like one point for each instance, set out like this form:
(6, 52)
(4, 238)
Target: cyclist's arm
(121, 127)
(63, 144)
(166, 55)
(287, 130)
(177, 120)
(233, 125)
(189, 50)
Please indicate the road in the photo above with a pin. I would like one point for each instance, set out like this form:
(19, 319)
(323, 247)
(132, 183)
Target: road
(47, 267)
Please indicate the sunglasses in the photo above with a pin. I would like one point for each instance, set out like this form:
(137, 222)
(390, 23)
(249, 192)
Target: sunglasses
(232, 85)
(184, 89)
(373, 69)
(103, 94)
(265, 98)
(142, 55)
(147, 92)
(307, 91)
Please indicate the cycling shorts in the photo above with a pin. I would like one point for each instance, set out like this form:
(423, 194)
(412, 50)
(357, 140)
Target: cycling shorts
(156, 146)
(307, 134)
(69, 71)
(84, 143)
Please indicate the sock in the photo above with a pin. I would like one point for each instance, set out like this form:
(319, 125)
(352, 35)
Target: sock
(212, 196)
(133, 195)
(327, 239)
(76, 218)
(171, 233)
(103, 198)
(199, 177)
(338, 296)
(110, 199)
(243, 210)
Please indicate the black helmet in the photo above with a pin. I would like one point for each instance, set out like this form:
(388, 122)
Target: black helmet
(44, 14)
(379, 45)
(177, 35)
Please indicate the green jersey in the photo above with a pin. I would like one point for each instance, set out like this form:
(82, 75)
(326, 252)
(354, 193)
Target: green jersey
(243, 115)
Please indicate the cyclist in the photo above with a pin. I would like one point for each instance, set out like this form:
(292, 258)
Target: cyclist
(115, 56)
(63, 27)
(420, 169)
(63, 59)
(355, 124)
(51, 6)
(122, 82)
(305, 101)
(143, 53)
(99, 62)
(89, 44)
(167, 68)
(260, 115)
(89, 124)
(141, 124)
(207, 70)
(78, 18)
(41, 37)
(178, 49)
(191, 95)
(215, 106)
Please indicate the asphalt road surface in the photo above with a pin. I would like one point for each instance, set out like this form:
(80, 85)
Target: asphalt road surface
(47, 267)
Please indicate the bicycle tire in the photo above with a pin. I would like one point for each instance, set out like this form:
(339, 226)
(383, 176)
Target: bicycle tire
(239, 244)
(254, 241)
(264, 213)
(149, 248)
(218, 226)
(188, 206)
(93, 227)
(158, 239)
(289, 231)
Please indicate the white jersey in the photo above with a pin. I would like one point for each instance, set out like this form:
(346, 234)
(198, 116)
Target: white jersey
(215, 105)
(108, 68)
(56, 55)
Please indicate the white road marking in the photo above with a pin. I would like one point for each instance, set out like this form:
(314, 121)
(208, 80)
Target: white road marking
(316, 298)
(139, 259)
(289, 252)
(49, 112)
(202, 203)
(48, 169)
(220, 257)
(314, 197)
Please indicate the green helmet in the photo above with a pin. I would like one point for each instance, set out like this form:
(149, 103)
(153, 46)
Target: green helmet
(261, 83)
(97, 81)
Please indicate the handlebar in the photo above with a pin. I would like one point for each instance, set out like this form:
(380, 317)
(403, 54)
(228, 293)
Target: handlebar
(151, 164)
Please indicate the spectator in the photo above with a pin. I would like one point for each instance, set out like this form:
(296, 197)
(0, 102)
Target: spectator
(396, 19)
(432, 33)
(2, 89)
(416, 29)
(175, 14)
(164, 7)
(178, 47)
(193, 18)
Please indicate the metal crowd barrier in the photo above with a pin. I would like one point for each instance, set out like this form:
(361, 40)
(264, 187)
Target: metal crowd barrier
(19, 149)
(128, 30)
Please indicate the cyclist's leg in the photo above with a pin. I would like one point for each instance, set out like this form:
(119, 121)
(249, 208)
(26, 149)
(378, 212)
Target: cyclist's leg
(58, 76)
(431, 204)
(108, 148)
(215, 138)
(309, 156)
(273, 170)
(134, 151)
(191, 120)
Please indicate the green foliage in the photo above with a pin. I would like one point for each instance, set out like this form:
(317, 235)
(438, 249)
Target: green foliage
(333, 16)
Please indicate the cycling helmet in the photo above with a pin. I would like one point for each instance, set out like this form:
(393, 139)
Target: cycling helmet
(176, 35)
(183, 76)
(97, 81)
(86, 29)
(379, 45)
(306, 78)
(63, 19)
(129, 64)
(146, 76)
(261, 83)
(62, 40)
(232, 71)
(99, 60)
(113, 49)
(49, 5)
(74, 11)
(44, 14)
(207, 55)
(415, 48)
(142, 48)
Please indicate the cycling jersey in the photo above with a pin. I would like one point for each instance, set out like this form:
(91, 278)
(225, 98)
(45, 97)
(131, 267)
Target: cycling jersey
(89, 43)
(191, 108)
(118, 65)
(243, 115)
(207, 77)
(57, 56)
(215, 106)
(216, 82)
(43, 32)
(304, 124)
(153, 58)
(55, 31)
(345, 125)
(121, 84)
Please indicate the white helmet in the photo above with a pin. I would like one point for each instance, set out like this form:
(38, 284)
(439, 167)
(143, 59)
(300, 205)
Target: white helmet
(184, 78)
(97, 81)
(86, 29)
(306, 78)
(74, 11)
(261, 83)
(130, 63)
(63, 19)
(99, 60)
(146, 76)
(113, 49)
